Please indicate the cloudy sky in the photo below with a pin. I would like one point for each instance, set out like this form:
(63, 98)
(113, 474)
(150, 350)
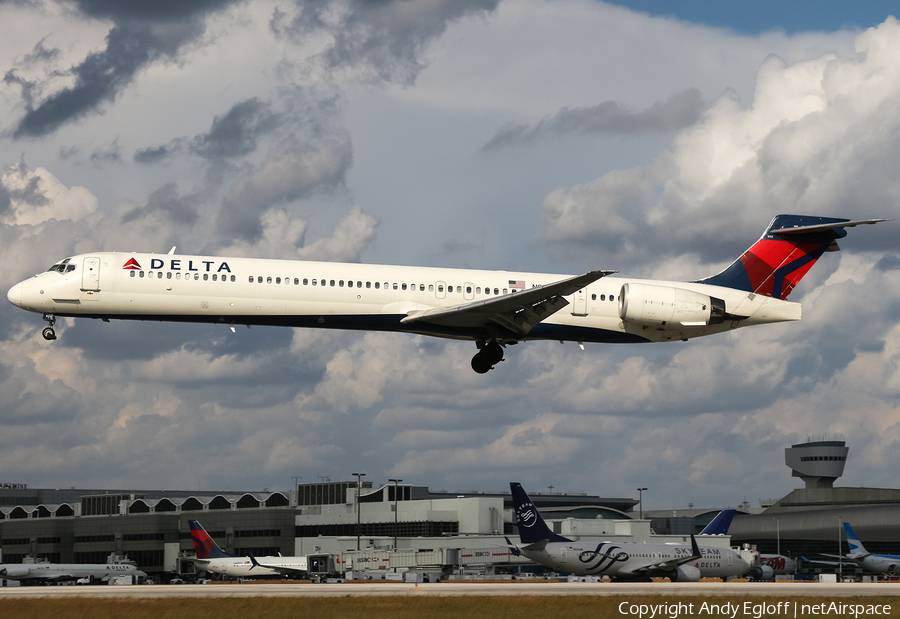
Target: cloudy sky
(557, 136)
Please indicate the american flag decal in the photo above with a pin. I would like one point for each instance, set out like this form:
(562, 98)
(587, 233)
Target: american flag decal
(516, 283)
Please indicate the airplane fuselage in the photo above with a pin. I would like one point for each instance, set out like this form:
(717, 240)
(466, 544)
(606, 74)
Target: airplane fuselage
(66, 571)
(246, 291)
(242, 567)
(630, 560)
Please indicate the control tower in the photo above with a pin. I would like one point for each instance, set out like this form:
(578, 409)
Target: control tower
(818, 463)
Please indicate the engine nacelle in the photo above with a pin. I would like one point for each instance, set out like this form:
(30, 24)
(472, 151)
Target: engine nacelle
(686, 573)
(762, 572)
(14, 571)
(664, 306)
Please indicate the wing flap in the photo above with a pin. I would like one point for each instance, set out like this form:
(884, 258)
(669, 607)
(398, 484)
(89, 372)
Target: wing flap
(517, 312)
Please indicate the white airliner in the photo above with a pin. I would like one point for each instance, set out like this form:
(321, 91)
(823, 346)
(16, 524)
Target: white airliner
(57, 572)
(493, 308)
(620, 561)
(213, 559)
(858, 555)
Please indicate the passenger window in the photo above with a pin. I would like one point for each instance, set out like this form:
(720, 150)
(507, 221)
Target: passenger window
(297, 281)
(603, 297)
(440, 288)
(205, 277)
(142, 274)
(404, 286)
(196, 276)
(259, 279)
(332, 283)
(232, 278)
(459, 289)
(359, 284)
(421, 287)
(430, 287)
(132, 273)
(504, 291)
(269, 280)
(395, 286)
(305, 282)
(313, 282)
(478, 290)
(341, 283)
(377, 285)
(496, 291)
(368, 284)
(350, 283)
(468, 290)
(277, 280)
(593, 297)
(178, 276)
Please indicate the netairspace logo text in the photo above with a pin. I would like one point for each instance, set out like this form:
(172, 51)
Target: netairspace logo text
(753, 610)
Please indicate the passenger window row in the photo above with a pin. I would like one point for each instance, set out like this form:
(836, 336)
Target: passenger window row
(612, 297)
(197, 276)
(340, 283)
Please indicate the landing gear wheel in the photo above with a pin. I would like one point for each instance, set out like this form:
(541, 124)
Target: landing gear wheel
(489, 356)
(49, 334)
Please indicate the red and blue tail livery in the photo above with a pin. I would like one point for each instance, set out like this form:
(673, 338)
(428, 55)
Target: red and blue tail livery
(787, 250)
(204, 545)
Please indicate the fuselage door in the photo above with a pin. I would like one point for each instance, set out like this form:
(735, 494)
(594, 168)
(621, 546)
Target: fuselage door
(440, 290)
(90, 277)
(469, 291)
(579, 303)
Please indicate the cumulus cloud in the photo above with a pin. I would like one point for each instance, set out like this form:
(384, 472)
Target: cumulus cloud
(292, 170)
(143, 33)
(36, 196)
(807, 143)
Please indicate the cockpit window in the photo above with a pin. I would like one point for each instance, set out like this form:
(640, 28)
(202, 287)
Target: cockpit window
(62, 267)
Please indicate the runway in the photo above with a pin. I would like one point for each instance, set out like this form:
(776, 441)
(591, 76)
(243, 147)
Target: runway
(450, 589)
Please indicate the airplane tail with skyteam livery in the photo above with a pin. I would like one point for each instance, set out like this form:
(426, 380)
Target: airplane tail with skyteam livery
(495, 309)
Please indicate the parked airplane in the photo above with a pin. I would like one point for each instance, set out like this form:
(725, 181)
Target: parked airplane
(58, 572)
(878, 564)
(620, 561)
(213, 559)
(769, 565)
(494, 308)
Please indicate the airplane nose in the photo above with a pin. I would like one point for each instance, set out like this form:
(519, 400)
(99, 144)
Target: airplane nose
(15, 295)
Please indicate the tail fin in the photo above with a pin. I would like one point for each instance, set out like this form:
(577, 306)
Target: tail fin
(785, 253)
(720, 524)
(856, 547)
(532, 527)
(204, 545)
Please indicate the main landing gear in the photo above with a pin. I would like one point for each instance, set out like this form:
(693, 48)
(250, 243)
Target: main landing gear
(488, 356)
(48, 332)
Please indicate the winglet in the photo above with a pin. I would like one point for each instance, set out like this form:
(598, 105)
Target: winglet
(720, 524)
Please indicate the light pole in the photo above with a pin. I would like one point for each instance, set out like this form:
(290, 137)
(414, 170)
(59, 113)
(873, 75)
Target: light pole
(359, 477)
(840, 520)
(396, 524)
(641, 502)
(778, 534)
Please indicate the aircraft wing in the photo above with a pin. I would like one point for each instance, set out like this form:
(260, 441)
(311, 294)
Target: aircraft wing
(289, 571)
(517, 312)
(671, 564)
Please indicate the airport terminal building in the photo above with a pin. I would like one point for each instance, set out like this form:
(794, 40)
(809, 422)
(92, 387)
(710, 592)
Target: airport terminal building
(394, 525)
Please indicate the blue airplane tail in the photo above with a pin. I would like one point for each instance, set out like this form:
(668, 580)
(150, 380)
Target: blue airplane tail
(720, 524)
(532, 527)
(853, 542)
(204, 545)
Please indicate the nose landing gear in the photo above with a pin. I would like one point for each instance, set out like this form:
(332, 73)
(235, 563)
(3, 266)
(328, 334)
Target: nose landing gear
(48, 332)
(490, 355)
